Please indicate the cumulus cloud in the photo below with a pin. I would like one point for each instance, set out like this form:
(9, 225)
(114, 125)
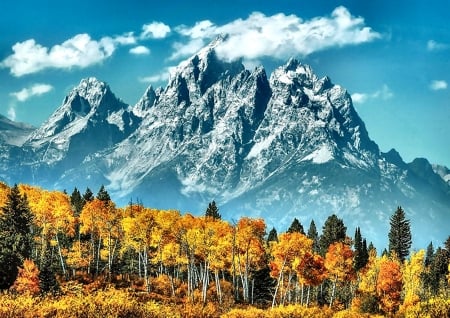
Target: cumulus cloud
(383, 93)
(80, 51)
(438, 85)
(155, 30)
(432, 46)
(279, 36)
(140, 50)
(35, 90)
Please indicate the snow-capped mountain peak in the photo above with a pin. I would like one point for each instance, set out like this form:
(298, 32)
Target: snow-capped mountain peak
(291, 145)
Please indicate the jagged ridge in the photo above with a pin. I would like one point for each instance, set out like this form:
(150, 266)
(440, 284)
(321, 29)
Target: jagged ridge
(291, 145)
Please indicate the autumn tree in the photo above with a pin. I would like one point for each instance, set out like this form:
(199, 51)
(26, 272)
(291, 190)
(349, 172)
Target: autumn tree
(101, 221)
(141, 235)
(311, 272)
(399, 234)
(27, 281)
(412, 284)
(4, 190)
(339, 264)
(53, 219)
(389, 284)
(367, 288)
(287, 254)
(248, 251)
(15, 236)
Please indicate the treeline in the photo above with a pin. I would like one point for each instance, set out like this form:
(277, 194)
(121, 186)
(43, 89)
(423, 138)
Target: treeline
(55, 243)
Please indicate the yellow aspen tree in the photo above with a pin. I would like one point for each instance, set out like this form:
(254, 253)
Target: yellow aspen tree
(190, 238)
(164, 233)
(92, 221)
(287, 254)
(4, 190)
(411, 273)
(367, 288)
(448, 275)
(248, 251)
(220, 251)
(63, 220)
(167, 246)
(137, 235)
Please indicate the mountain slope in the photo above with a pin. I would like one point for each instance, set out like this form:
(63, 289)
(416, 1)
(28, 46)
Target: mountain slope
(13, 133)
(289, 145)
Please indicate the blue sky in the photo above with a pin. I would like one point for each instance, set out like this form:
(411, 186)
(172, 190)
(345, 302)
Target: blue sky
(392, 56)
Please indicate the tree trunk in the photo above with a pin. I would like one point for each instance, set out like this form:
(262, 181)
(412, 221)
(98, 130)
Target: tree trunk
(60, 255)
(333, 291)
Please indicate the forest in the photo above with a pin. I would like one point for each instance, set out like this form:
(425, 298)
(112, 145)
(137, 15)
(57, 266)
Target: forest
(79, 255)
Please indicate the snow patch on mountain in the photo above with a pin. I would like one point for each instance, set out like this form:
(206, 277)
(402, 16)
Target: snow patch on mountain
(320, 155)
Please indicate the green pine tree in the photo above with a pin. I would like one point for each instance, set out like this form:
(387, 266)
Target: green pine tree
(333, 230)
(296, 226)
(399, 234)
(429, 255)
(314, 236)
(47, 278)
(15, 236)
(213, 211)
(88, 195)
(103, 195)
(77, 201)
(361, 254)
(273, 236)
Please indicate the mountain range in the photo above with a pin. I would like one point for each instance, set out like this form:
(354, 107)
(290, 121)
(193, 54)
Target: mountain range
(281, 146)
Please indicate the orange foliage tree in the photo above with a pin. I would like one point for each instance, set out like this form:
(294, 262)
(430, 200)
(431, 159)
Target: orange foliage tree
(389, 284)
(311, 271)
(27, 281)
(339, 264)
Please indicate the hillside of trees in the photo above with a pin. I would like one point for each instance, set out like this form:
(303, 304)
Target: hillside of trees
(78, 255)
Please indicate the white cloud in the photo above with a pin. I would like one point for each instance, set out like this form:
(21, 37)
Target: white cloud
(163, 76)
(12, 112)
(438, 85)
(186, 49)
(383, 93)
(80, 51)
(279, 36)
(359, 98)
(35, 90)
(140, 50)
(155, 30)
(432, 46)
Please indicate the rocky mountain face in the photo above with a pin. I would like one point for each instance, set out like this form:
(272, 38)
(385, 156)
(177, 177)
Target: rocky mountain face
(289, 145)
